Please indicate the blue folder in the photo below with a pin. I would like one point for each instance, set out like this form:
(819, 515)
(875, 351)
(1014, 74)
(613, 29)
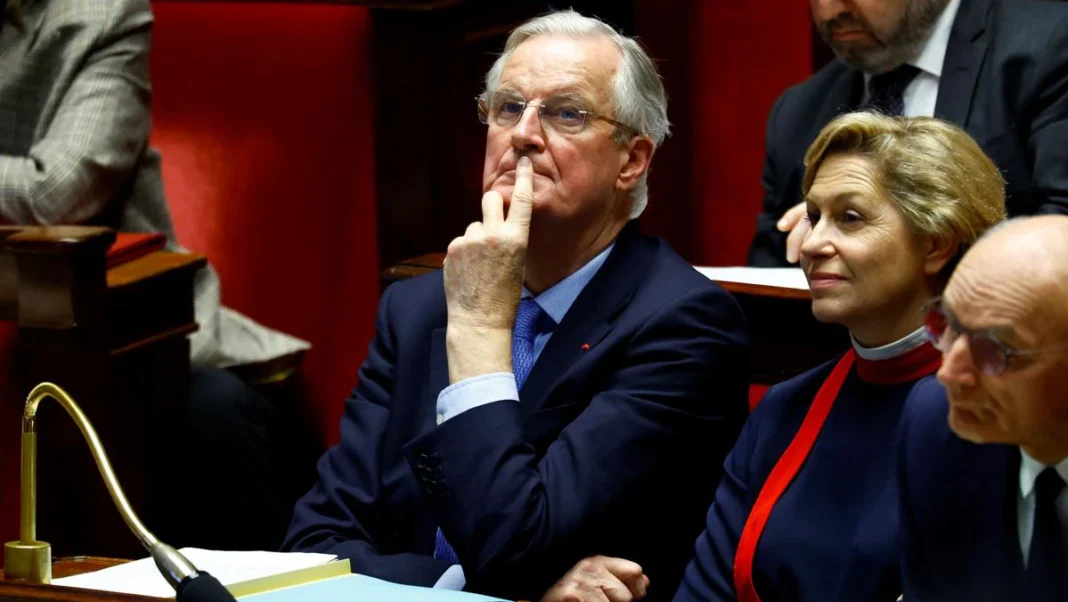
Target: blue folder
(364, 589)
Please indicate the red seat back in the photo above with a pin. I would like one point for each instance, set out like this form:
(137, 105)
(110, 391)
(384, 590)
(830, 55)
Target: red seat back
(262, 112)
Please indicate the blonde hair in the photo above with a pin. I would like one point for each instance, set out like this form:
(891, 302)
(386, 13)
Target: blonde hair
(933, 171)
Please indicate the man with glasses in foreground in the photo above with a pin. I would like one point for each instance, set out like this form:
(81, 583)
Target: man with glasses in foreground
(984, 451)
(540, 399)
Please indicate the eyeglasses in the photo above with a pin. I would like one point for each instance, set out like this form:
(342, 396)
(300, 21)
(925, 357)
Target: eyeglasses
(561, 115)
(989, 353)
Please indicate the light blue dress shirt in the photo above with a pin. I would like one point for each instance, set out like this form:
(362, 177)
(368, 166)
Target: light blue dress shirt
(487, 388)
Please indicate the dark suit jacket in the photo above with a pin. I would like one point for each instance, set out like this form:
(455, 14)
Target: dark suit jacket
(1004, 80)
(611, 450)
(957, 509)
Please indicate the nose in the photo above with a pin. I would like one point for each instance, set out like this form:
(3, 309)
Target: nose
(817, 243)
(958, 365)
(528, 134)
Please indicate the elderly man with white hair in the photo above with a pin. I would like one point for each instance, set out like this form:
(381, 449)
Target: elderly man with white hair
(565, 386)
(983, 456)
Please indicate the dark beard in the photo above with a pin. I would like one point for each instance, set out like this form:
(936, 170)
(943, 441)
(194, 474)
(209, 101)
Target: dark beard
(903, 43)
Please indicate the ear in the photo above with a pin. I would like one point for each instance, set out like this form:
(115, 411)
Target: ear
(635, 157)
(939, 254)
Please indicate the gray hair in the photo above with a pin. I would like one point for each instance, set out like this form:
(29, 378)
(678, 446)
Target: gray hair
(639, 97)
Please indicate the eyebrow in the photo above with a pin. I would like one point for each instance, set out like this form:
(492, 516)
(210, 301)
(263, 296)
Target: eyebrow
(570, 95)
(838, 198)
(1004, 332)
(566, 95)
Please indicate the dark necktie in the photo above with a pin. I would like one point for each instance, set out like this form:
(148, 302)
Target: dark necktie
(527, 321)
(886, 91)
(1044, 579)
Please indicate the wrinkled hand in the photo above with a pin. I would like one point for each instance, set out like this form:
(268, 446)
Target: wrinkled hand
(600, 579)
(794, 222)
(484, 279)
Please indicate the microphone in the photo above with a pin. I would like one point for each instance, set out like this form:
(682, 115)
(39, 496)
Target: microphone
(31, 560)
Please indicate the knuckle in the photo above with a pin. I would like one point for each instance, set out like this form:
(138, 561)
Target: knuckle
(571, 593)
(588, 566)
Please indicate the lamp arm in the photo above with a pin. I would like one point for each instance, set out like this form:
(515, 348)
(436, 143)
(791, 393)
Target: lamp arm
(30, 559)
(29, 436)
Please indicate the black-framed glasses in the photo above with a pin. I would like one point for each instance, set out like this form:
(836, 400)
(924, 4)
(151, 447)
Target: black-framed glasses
(990, 354)
(562, 115)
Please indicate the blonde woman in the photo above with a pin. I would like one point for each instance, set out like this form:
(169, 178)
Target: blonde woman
(807, 508)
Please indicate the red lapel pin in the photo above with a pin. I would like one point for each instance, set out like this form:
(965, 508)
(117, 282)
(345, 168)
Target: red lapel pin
(585, 346)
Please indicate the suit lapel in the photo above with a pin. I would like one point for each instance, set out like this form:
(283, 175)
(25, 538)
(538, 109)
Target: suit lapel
(1012, 556)
(590, 318)
(996, 530)
(967, 48)
(842, 97)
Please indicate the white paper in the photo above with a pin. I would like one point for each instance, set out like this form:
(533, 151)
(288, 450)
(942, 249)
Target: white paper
(141, 577)
(793, 278)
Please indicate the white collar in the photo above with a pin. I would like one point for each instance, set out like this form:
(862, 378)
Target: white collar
(1030, 468)
(933, 54)
(901, 346)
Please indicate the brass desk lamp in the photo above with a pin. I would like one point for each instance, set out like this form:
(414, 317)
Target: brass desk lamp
(31, 560)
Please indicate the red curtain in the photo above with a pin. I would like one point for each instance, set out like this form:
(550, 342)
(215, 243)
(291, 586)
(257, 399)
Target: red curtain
(262, 112)
(724, 64)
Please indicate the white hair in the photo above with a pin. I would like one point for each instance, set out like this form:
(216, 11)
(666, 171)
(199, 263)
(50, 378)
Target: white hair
(639, 97)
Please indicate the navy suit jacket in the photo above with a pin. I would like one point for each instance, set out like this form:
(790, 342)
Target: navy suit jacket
(613, 449)
(958, 508)
(1004, 80)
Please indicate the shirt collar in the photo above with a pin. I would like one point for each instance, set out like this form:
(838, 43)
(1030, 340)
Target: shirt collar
(933, 55)
(558, 298)
(899, 347)
(1030, 468)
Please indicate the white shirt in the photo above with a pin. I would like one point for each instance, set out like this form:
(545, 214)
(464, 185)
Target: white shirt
(922, 92)
(1030, 468)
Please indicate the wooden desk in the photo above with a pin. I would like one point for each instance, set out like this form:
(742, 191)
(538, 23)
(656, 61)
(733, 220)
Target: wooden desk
(11, 591)
(787, 339)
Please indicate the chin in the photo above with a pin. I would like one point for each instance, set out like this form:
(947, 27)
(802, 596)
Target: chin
(972, 425)
(829, 311)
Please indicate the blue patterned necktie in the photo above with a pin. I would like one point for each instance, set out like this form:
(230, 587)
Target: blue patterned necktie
(526, 329)
(1044, 579)
(886, 91)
